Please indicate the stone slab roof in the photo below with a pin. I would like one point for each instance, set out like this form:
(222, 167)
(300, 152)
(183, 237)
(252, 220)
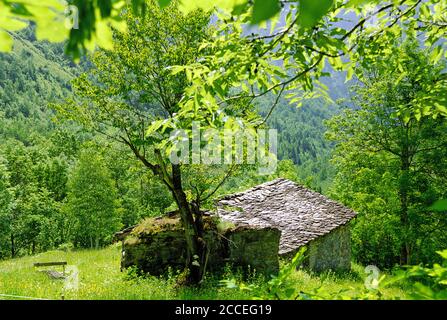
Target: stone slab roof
(301, 214)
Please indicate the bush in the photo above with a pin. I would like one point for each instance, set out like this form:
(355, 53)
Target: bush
(66, 247)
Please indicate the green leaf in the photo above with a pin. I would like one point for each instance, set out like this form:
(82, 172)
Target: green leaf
(105, 35)
(311, 11)
(418, 114)
(240, 8)
(51, 31)
(405, 115)
(5, 41)
(263, 10)
(424, 291)
(440, 205)
(12, 24)
(356, 3)
(290, 292)
(155, 125)
(441, 109)
(164, 3)
(349, 73)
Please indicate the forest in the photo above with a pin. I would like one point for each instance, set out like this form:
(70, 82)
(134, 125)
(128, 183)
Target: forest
(91, 116)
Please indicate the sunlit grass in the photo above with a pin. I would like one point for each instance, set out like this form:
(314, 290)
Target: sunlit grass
(100, 278)
(332, 284)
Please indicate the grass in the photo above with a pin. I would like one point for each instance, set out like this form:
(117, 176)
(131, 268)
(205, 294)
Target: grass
(351, 283)
(100, 278)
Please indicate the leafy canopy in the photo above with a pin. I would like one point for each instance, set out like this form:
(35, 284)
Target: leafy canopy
(94, 19)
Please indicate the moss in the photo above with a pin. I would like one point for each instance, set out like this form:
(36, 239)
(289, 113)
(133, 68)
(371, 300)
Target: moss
(153, 226)
(230, 208)
(131, 240)
(224, 226)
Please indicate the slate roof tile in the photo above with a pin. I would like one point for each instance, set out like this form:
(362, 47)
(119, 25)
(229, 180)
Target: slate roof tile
(301, 214)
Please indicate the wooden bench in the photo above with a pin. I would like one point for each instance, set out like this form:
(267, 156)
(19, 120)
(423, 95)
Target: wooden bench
(53, 264)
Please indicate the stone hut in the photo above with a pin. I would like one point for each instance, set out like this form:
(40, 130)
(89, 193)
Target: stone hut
(158, 244)
(271, 220)
(304, 217)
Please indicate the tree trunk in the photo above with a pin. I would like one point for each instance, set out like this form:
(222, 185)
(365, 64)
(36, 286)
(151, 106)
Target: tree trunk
(193, 233)
(13, 248)
(193, 227)
(403, 195)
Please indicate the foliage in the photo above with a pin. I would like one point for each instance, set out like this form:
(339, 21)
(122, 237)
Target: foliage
(86, 23)
(439, 205)
(39, 156)
(30, 208)
(31, 76)
(285, 287)
(301, 138)
(159, 70)
(425, 282)
(99, 17)
(279, 287)
(132, 88)
(389, 161)
(291, 59)
(92, 204)
(5, 201)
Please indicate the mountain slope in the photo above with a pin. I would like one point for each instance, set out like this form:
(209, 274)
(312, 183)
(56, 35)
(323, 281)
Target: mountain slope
(32, 76)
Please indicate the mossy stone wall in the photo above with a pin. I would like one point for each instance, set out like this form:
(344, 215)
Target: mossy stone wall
(156, 253)
(331, 251)
(256, 249)
(161, 245)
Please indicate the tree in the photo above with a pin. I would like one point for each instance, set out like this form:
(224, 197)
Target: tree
(29, 211)
(6, 198)
(38, 155)
(141, 194)
(22, 183)
(389, 145)
(132, 88)
(92, 201)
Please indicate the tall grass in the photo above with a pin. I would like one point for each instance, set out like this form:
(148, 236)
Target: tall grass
(100, 278)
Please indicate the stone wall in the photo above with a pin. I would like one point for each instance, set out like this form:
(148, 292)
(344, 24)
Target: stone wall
(157, 245)
(157, 253)
(331, 251)
(254, 248)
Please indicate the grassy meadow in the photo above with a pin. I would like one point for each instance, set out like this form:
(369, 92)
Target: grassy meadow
(100, 278)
